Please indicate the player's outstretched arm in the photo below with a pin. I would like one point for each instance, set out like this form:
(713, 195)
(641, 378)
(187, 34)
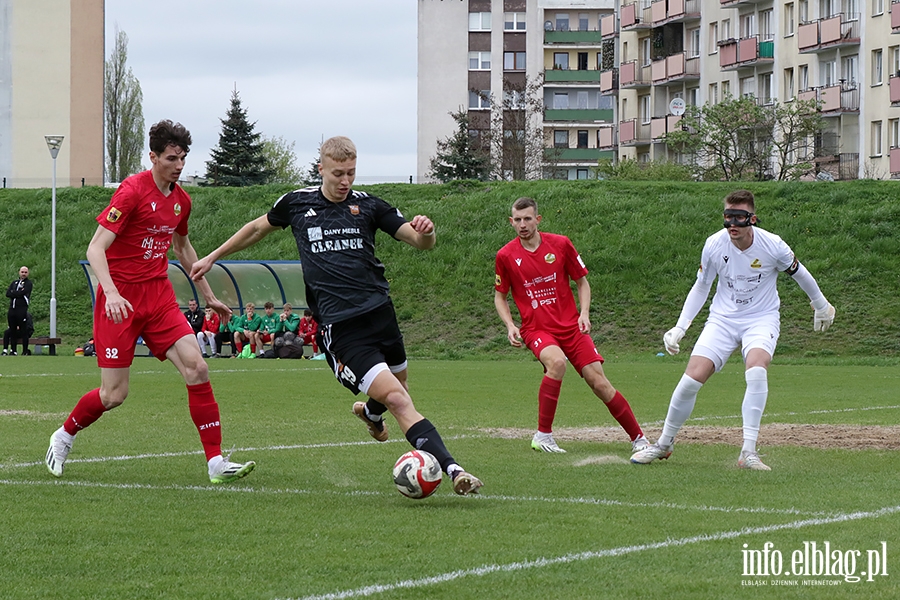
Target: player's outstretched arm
(584, 304)
(823, 315)
(695, 300)
(245, 237)
(418, 233)
(512, 332)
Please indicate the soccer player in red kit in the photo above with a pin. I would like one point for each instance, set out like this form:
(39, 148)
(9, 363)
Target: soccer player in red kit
(537, 268)
(146, 216)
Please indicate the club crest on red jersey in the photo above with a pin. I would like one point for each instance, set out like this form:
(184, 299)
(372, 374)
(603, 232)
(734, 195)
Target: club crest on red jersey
(177, 208)
(113, 215)
(550, 258)
(497, 279)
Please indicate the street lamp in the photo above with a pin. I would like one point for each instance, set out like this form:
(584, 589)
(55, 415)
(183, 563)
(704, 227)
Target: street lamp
(54, 142)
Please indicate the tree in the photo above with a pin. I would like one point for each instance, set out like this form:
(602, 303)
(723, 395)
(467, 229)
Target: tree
(457, 156)
(281, 162)
(124, 114)
(520, 149)
(740, 139)
(238, 159)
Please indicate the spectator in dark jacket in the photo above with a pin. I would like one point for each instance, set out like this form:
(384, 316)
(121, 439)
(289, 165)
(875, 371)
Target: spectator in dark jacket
(19, 294)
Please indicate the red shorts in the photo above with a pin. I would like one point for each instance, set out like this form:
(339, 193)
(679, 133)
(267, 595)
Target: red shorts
(578, 347)
(156, 318)
(265, 338)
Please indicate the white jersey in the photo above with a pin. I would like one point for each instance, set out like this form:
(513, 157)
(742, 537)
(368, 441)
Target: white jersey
(747, 279)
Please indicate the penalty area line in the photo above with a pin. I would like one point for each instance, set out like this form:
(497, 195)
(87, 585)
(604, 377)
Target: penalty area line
(583, 556)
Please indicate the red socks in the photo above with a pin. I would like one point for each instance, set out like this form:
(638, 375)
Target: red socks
(88, 410)
(548, 398)
(621, 412)
(205, 414)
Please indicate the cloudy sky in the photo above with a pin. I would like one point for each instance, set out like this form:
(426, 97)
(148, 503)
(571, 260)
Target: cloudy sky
(303, 70)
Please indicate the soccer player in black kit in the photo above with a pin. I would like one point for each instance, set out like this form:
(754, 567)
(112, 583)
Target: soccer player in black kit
(349, 296)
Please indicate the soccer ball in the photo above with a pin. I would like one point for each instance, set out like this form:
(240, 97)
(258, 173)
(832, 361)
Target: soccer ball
(417, 474)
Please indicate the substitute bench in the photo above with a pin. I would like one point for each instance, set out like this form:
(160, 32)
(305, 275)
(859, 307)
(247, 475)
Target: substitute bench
(45, 341)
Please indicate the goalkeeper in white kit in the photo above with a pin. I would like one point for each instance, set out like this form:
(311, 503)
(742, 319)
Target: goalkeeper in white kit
(744, 312)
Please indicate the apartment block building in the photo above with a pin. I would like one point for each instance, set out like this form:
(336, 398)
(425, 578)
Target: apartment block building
(51, 83)
(611, 70)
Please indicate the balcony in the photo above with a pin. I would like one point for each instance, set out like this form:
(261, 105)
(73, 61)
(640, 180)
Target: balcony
(834, 100)
(632, 76)
(826, 34)
(895, 163)
(737, 3)
(588, 37)
(606, 138)
(571, 76)
(895, 16)
(609, 82)
(635, 16)
(895, 87)
(579, 115)
(608, 29)
(632, 133)
(582, 155)
(674, 11)
(660, 126)
(746, 52)
(675, 69)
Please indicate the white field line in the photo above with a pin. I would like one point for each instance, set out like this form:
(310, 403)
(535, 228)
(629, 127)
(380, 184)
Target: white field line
(479, 498)
(484, 570)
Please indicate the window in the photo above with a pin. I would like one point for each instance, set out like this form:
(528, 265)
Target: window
(877, 67)
(583, 22)
(562, 21)
(581, 99)
(726, 29)
(826, 8)
(803, 83)
(713, 93)
(713, 38)
(827, 73)
(560, 60)
(581, 173)
(876, 138)
(582, 138)
(514, 100)
(895, 59)
(877, 7)
(726, 89)
(789, 19)
(480, 21)
(748, 25)
(624, 52)
(644, 102)
(766, 27)
(560, 139)
(624, 114)
(850, 69)
(694, 46)
(645, 51)
(765, 88)
(513, 61)
(480, 99)
(479, 61)
(599, 61)
(894, 133)
(582, 61)
(748, 87)
(789, 84)
(561, 100)
(514, 21)
(693, 96)
(644, 157)
(803, 8)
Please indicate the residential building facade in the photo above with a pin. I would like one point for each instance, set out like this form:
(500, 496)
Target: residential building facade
(51, 83)
(611, 71)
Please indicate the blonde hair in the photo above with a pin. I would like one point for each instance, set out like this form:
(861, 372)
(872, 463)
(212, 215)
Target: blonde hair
(338, 149)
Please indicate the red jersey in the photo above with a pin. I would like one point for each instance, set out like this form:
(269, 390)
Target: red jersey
(308, 326)
(540, 282)
(143, 220)
(211, 323)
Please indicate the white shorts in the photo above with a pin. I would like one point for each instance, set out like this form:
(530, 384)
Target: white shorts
(721, 337)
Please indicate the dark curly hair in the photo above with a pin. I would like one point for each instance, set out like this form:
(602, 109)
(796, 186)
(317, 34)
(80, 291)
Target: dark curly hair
(166, 133)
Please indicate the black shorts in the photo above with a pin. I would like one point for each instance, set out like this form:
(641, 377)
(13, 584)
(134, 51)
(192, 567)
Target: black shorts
(355, 347)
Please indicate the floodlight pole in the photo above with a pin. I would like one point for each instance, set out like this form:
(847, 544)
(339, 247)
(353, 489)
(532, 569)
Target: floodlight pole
(54, 142)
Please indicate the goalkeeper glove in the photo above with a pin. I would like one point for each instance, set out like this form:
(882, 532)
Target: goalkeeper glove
(671, 339)
(823, 317)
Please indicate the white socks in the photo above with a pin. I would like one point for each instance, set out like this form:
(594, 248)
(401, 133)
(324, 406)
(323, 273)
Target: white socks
(754, 405)
(680, 407)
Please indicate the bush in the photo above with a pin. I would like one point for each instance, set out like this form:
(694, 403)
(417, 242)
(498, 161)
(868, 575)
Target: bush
(632, 170)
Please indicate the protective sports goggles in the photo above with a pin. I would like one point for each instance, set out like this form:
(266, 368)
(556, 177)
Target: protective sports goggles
(737, 217)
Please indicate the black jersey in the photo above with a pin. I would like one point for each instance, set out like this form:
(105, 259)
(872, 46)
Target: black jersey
(336, 240)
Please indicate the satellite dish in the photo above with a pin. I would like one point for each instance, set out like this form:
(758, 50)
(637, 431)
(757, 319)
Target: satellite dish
(677, 106)
(548, 25)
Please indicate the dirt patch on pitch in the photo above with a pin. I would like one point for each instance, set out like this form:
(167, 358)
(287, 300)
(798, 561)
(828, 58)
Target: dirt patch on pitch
(845, 437)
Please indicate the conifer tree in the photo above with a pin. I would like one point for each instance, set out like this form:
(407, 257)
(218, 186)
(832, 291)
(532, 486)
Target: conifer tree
(238, 160)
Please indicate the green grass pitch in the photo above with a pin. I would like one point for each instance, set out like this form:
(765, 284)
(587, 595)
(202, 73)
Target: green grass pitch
(134, 515)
